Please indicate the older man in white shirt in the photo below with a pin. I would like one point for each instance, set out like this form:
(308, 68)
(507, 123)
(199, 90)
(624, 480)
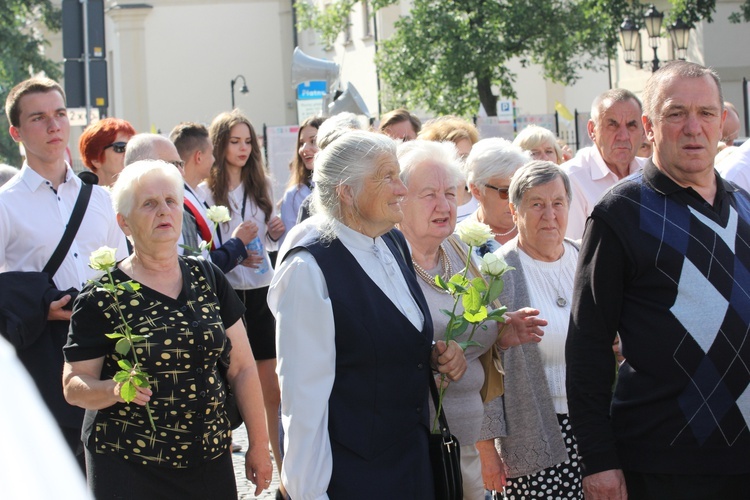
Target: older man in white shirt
(35, 207)
(616, 129)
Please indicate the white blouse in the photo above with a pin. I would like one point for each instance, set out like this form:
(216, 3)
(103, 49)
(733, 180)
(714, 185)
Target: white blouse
(547, 282)
(306, 352)
(241, 277)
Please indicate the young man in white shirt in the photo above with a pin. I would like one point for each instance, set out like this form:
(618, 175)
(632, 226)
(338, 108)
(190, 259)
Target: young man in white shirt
(35, 207)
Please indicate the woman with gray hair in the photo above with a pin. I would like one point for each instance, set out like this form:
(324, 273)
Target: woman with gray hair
(489, 168)
(540, 143)
(182, 305)
(354, 337)
(537, 445)
(432, 176)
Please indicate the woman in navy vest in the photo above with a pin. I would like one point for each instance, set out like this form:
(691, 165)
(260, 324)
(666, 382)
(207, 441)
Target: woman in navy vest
(354, 337)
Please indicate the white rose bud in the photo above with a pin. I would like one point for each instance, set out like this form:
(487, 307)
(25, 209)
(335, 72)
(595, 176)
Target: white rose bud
(492, 265)
(473, 232)
(102, 259)
(218, 213)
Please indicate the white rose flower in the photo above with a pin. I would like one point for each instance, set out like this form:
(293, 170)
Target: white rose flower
(492, 265)
(218, 213)
(473, 233)
(102, 259)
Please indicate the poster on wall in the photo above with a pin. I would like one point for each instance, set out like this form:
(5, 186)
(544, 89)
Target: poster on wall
(281, 146)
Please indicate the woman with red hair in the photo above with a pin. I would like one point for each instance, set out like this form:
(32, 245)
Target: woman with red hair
(102, 147)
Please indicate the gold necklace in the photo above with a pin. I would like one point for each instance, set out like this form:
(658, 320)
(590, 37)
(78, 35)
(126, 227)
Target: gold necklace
(430, 280)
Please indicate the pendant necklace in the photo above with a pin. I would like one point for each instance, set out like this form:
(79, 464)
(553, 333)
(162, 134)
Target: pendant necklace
(561, 301)
(446, 274)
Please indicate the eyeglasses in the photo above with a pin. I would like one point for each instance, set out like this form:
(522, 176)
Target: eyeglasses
(503, 192)
(177, 163)
(117, 147)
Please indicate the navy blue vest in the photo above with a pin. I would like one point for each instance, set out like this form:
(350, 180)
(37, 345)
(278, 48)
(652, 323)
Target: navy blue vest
(378, 413)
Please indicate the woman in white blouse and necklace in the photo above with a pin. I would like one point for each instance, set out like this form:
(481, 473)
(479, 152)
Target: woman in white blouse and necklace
(354, 337)
(539, 449)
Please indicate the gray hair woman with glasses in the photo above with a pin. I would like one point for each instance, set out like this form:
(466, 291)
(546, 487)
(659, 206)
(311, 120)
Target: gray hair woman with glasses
(489, 168)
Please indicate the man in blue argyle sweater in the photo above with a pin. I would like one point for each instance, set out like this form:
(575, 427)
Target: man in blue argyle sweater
(665, 261)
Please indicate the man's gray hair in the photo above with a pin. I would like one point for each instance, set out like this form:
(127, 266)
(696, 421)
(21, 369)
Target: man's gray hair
(536, 173)
(653, 92)
(611, 97)
(490, 158)
(414, 153)
(348, 161)
(143, 147)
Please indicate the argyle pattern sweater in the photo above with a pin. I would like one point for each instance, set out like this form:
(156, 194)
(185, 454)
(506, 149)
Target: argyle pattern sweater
(671, 274)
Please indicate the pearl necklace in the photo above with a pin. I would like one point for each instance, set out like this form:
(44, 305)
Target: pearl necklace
(430, 280)
(505, 233)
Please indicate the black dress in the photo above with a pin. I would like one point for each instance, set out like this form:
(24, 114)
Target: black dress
(180, 357)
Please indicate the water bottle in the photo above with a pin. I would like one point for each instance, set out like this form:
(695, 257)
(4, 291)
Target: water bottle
(257, 246)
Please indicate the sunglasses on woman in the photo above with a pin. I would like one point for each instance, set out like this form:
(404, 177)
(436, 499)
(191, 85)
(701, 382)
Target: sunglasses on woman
(503, 192)
(117, 147)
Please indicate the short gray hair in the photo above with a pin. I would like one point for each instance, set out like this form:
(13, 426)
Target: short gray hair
(414, 153)
(612, 96)
(6, 173)
(536, 173)
(490, 158)
(534, 136)
(143, 147)
(348, 161)
(127, 183)
(653, 92)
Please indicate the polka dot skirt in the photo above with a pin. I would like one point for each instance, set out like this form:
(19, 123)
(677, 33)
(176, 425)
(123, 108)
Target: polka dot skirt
(559, 481)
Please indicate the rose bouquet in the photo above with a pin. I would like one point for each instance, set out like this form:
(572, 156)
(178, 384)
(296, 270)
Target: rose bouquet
(476, 294)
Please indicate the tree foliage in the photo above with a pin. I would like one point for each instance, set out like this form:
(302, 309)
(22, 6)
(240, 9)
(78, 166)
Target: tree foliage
(21, 54)
(450, 55)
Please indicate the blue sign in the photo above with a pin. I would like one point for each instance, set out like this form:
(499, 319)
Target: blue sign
(311, 90)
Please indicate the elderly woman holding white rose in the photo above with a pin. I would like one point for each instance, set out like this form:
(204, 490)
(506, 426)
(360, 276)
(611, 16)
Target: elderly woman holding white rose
(537, 444)
(431, 173)
(181, 305)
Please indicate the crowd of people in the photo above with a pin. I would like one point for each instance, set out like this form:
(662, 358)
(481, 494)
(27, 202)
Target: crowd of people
(166, 286)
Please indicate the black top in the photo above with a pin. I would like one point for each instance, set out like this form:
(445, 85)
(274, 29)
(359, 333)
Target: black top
(669, 272)
(180, 359)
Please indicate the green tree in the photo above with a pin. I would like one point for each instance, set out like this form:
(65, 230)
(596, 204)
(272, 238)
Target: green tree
(21, 54)
(450, 55)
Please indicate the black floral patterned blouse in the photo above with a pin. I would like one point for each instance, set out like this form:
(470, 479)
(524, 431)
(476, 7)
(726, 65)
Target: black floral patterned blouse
(180, 358)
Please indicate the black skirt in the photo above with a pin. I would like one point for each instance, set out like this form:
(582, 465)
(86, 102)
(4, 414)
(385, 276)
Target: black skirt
(111, 477)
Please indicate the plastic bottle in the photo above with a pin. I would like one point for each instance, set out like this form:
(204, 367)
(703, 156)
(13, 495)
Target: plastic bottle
(257, 246)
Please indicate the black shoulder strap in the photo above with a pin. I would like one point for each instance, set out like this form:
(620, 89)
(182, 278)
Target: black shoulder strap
(70, 230)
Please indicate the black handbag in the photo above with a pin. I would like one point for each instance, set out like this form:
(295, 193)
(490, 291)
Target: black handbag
(230, 402)
(445, 457)
(25, 296)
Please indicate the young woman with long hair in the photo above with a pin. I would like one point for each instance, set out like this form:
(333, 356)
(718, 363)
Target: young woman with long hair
(238, 180)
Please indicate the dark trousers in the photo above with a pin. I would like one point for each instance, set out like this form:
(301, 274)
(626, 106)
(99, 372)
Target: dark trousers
(73, 438)
(642, 486)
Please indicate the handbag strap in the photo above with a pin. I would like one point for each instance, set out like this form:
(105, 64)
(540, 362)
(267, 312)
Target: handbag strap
(444, 429)
(79, 209)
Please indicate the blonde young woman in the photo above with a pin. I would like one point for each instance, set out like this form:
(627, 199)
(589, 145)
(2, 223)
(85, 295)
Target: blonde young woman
(238, 180)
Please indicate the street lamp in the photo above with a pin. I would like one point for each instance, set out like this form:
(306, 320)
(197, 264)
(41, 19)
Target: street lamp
(652, 18)
(243, 89)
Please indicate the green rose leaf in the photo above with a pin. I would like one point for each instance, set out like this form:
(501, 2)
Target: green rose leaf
(140, 380)
(114, 335)
(472, 301)
(123, 346)
(459, 280)
(466, 344)
(121, 376)
(128, 391)
(498, 314)
(138, 338)
(477, 317)
(495, 289)
(479, 284)
(124, 364)
(109, 287)
(441, 282)
(129, 286)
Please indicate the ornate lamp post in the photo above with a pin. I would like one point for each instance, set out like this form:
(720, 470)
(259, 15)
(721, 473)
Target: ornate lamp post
(652, 19)
(243, 89)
